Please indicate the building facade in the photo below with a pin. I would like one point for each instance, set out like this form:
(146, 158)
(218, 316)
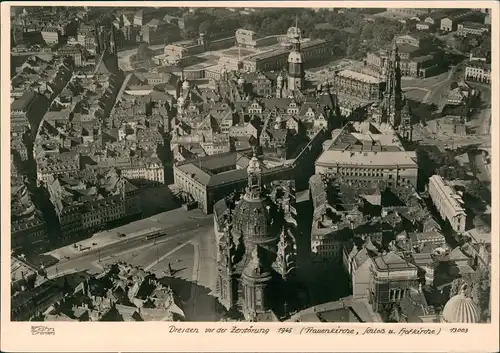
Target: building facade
(391, 279)
(450, 23)
(418, 57)
(369, 161)
(312, 51)
(466, 28)
(20, 111)
(480, 72)
(409, 11)
(357, 84)
(28, 228)
(209, 179)
(145, 174)
(77, 217)
(50, 35)
(448, 202)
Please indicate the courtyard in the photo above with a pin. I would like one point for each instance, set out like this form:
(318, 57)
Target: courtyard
(235, 52)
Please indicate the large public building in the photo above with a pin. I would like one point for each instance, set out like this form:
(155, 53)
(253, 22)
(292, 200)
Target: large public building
(366, 152)
(419, 56)
(448, 202)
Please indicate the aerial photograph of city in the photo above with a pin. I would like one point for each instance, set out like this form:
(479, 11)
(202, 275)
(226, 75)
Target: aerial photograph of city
(250, 164)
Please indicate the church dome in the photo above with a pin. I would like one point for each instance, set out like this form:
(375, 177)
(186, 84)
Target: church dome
(254, 220)
(295, 57)
(460, 309)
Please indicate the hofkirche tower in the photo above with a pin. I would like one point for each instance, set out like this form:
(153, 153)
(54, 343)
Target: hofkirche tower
(257, 250)
(393, 95)
(296, 75)
(394, 107)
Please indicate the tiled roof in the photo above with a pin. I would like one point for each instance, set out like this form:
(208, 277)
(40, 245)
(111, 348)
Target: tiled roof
(392, 262)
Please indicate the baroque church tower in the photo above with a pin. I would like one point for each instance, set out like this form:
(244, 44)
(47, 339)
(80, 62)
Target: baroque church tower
(257, 250)
(296, 75)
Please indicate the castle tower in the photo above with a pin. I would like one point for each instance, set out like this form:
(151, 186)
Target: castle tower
(295, 66)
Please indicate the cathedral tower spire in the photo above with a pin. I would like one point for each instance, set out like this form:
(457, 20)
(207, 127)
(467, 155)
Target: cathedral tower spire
(112, 41)
(393, 96)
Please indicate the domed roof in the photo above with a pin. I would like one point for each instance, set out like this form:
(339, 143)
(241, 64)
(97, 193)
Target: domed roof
(460, 309)
(255, 220)
(295, 57)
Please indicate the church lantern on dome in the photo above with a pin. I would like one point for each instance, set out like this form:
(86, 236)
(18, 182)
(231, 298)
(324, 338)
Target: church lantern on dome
(254, 172)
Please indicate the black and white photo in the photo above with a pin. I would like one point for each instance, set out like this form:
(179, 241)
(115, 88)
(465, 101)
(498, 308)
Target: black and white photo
(257, 164)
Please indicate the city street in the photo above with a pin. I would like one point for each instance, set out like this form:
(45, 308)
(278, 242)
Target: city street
(447, 141)
(482, 119)
(178, 224)
(440, 88)
(89, 259)
(164, 220)
(194, 277)
(188, 250)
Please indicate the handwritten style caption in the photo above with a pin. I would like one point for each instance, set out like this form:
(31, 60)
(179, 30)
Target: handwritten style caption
(314, 330)
(42, 330)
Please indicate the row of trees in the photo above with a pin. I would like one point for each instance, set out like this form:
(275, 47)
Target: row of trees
(445, 164)
(466, 44)
(350, 34)
(478, 288)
